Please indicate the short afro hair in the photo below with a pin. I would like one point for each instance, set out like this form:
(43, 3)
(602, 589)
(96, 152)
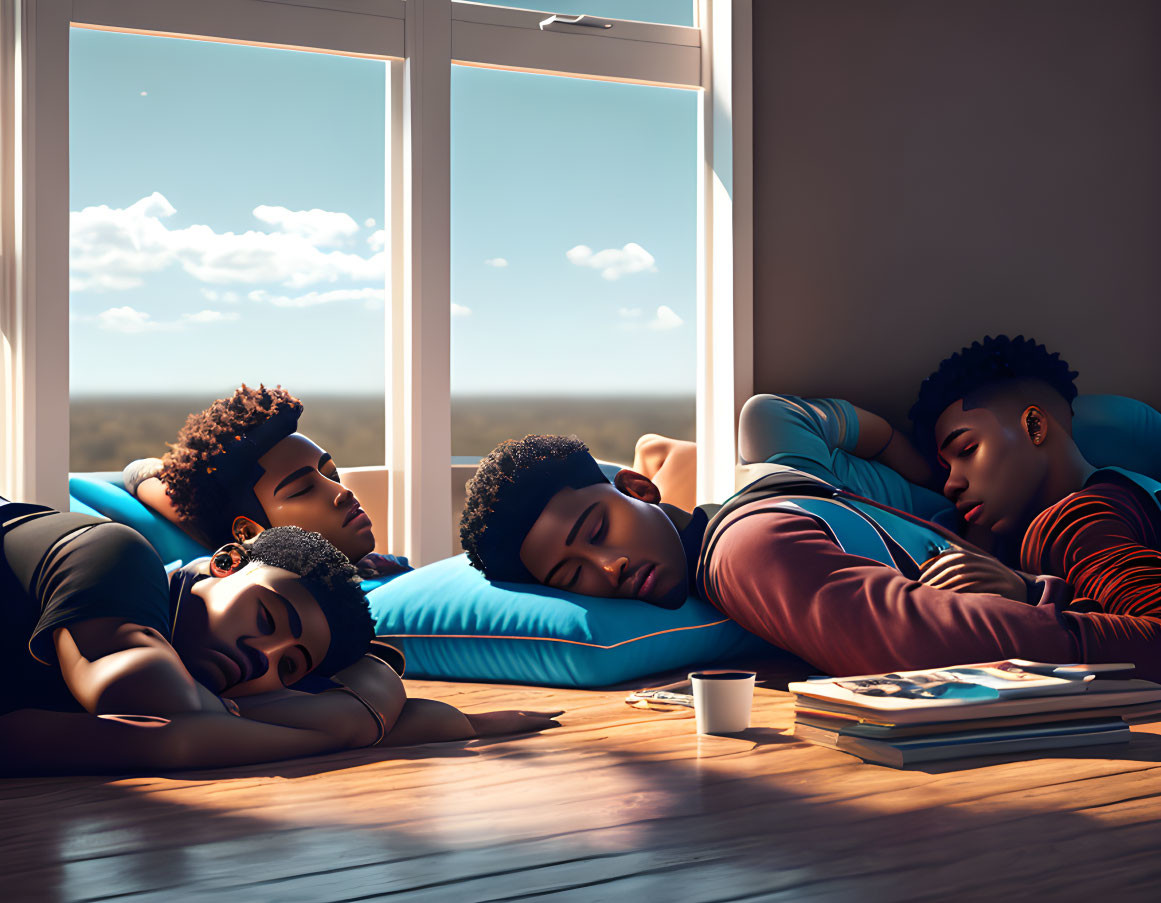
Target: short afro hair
(187, 466)
(509, 491)
(987, 365)
(331, 580)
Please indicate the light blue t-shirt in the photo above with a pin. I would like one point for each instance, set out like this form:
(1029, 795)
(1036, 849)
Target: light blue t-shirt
(819, 435)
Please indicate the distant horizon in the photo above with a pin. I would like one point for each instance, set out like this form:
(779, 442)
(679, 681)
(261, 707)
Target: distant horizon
(330, 393)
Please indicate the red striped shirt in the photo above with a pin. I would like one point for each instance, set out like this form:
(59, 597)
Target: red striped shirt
(1104, 540)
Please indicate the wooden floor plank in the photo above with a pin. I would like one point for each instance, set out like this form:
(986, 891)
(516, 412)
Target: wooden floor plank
(618, 803)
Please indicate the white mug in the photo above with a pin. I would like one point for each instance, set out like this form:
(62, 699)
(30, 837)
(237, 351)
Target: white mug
(722, 700)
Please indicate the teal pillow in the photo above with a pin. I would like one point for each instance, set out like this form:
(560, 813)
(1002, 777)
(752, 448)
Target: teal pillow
(103, 494)
(451, 623)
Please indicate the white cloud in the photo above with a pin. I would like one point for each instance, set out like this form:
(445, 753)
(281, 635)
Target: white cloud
(369, 222)
(458, 310)
(313, 299)
(665, 319)
(629, 312)
(129, 320)
(212, 294)
(498, 262)
(115, 248)
(144, 93)
(614, 263)
(319, 227)
(377, 239)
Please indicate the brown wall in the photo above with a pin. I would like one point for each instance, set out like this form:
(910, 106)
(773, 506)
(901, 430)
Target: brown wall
(928, 171)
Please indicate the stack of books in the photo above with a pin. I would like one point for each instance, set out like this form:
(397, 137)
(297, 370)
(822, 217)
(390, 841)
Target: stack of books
(972, 710)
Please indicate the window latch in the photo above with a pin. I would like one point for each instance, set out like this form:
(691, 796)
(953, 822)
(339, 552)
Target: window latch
(585, 21)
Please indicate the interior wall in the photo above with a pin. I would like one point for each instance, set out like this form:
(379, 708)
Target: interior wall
(930, 172)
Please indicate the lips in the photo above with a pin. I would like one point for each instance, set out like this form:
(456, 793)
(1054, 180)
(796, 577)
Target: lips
(230, 668)
(354, 513)
(642, 580)
(972, 514)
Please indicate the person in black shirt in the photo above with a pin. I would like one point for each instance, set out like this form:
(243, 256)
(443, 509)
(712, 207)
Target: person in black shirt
(106, 664)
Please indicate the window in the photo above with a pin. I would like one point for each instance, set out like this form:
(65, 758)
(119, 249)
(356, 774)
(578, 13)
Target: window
(573, 260)
(418, 42)
(216, 238)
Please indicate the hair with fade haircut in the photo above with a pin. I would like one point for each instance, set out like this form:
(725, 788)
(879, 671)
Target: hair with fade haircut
(187, 468)
(331, 579)
(508, 493)
(983, 367)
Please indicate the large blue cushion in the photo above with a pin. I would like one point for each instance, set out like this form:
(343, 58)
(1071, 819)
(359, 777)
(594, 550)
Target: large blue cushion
(452, 623)
(103, 494)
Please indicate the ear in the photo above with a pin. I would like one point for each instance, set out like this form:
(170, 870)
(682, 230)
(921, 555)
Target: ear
(637, 486)
(1035, 423)
(229, 559)
(245, 529)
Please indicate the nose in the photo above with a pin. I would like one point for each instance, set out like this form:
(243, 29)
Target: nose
(613, 566)
(261, 649)
(343, 497)
(955, 485)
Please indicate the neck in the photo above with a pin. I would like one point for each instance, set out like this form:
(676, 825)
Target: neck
(1067, 473)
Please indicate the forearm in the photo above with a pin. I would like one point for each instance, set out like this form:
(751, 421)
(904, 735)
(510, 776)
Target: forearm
(67, 743)
(879, 441)
(428, 721)
(332, 712)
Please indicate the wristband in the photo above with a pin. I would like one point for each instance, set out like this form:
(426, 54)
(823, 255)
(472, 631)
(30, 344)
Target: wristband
(370, 708)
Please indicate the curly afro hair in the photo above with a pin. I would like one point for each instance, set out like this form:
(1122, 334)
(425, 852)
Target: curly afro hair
(509, 491)
(186, 467)
(331, 579)
(985, 366)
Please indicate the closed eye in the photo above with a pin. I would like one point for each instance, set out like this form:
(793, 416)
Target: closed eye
(574, 580)
(265, 620)
(599, 533)
(967, 451)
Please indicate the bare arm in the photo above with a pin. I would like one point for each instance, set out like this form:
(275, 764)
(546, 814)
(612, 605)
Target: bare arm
(879, 441)
(429, 721)
(111, 665)
(67, 743)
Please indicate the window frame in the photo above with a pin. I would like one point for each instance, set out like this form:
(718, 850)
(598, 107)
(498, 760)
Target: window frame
(421, 40)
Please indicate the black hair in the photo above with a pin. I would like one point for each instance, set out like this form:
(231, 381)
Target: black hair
(987, 365)
(331, 579)
(509, 491)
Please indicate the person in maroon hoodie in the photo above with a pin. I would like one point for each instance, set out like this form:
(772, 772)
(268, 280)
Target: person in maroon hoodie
(822, 573)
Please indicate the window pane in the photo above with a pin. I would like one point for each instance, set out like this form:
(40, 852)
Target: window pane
(664, 12)
(227, 209)
(573, 260)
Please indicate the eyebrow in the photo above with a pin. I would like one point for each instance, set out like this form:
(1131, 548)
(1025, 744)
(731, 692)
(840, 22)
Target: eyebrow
(295, 627)
(951, 436)
(568, 541)
(301, 472)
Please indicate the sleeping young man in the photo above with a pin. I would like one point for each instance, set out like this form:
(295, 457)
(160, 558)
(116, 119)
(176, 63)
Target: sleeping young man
(109, 664)
(999, 417)
(812, 569)
(240, 466)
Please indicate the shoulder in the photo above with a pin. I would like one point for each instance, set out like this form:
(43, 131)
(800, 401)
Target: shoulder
(765, 536)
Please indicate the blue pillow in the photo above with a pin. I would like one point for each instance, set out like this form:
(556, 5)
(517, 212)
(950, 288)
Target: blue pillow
(104, 495)
(451, 623)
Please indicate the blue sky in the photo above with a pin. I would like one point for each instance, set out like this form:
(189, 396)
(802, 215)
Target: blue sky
(227, 206)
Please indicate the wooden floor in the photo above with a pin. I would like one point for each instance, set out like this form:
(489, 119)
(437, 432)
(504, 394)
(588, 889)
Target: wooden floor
(617, 804)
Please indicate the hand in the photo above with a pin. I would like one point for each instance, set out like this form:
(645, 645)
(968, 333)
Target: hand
(374, 565)
(490, 724)
(962, 571)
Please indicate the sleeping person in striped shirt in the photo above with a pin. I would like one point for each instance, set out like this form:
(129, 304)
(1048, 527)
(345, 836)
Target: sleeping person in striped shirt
(998, 415)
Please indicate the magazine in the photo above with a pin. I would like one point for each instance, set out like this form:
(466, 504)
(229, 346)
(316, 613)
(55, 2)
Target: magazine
(904, 751)
(973, 686)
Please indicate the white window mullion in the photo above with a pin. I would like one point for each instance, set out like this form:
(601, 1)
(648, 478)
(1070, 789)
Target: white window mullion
(34, 301)
(725, 355)
(425, 418)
